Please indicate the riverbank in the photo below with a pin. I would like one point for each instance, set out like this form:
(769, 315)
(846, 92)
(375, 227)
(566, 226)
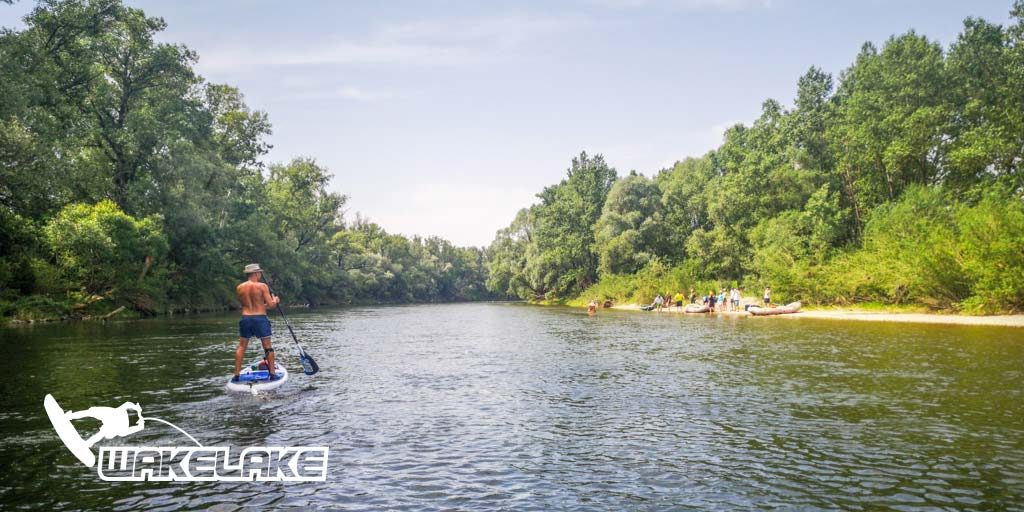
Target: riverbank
(124, 314)
(870, 316)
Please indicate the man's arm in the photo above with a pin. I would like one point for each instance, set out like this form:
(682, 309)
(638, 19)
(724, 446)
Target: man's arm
(268, 299)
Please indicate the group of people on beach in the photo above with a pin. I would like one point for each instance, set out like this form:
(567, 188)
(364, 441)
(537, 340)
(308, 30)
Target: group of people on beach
(721, 302)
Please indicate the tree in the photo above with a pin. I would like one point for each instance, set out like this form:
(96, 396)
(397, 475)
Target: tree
(102, 250)
(987, 132)
(303, 215)
(630, 230)
(137, 101)
(96, 108)
(563, 261)
(809, 119)
(684, 203)
(891, 116)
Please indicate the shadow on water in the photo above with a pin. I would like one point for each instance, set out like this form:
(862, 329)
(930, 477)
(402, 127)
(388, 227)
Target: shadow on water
(507, 406)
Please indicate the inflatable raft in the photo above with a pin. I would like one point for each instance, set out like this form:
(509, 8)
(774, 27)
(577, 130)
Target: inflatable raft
(792, 307)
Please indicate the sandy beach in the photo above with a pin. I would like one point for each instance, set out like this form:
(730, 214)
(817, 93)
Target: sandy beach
(864, 316)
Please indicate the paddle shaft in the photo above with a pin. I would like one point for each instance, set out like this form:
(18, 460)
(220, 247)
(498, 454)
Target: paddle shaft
(285, 317)
(309, 366)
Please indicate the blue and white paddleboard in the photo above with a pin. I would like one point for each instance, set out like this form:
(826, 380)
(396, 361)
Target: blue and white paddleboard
(253, 379)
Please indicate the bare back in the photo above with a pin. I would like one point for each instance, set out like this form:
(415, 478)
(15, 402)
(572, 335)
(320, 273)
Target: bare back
(255, 297)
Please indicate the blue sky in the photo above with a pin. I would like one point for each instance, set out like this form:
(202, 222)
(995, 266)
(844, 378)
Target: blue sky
(446, 117)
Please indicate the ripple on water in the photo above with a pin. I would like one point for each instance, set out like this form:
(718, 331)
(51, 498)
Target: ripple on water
(507, 407)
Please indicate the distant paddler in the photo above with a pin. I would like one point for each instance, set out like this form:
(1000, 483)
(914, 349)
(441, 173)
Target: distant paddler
(255, 297)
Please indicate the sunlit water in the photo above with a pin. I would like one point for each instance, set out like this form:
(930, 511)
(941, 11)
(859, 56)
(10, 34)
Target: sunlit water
(513, 407)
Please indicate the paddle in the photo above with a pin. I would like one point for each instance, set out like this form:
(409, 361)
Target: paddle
(309, 366)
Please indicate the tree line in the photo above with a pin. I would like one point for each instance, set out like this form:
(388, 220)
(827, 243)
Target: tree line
(898, 182)
(128, 179)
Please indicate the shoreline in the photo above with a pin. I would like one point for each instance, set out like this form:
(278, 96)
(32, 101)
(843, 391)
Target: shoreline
(865, 316)
(134, 316)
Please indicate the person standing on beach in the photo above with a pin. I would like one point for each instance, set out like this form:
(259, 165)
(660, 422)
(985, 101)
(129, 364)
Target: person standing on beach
(767, 296)
(658, 302)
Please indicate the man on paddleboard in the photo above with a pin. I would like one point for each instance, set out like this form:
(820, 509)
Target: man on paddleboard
(255, 298)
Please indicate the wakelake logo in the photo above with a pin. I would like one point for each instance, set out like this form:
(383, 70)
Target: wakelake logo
(174, 463)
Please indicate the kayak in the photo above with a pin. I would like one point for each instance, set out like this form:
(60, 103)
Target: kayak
(792, 307)
(255, 378)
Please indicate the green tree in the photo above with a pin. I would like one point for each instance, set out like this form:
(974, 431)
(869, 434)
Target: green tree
(987, 132)
(97, 107)
(102, 250)
(892, 112)
(791, 249)
(304, 215)
(563, 261)
(630, 230)
(684, 202)
(507, 259)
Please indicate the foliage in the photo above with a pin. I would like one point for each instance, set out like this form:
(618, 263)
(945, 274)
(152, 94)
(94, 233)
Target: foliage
(653, 279)
(991, 250)
(127, 176)
(927, 249)
(102, 250)
(115, 152)
(898, 183)
(548, 252)
(630, 230)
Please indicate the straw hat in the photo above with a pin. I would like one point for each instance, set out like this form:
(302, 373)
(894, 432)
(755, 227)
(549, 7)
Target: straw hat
(252, 268)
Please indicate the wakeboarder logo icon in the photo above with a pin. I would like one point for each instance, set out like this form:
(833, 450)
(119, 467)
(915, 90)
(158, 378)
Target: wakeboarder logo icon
(178, 464)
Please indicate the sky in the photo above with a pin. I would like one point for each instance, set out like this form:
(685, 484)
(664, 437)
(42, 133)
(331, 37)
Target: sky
(442, 117)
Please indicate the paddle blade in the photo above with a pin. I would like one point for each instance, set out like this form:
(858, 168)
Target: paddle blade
(309, 366)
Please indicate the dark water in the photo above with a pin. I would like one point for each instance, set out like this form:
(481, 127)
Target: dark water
(511, 407)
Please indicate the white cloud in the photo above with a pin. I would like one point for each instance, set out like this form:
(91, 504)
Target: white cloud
(374, 53)
(322, 90)
(358, 94)
(502, 31)
(448, 42)
(224, 59)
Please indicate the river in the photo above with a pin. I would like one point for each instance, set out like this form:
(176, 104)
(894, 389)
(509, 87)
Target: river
(515, 407)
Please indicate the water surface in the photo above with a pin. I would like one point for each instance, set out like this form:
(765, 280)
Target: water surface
(513, 407)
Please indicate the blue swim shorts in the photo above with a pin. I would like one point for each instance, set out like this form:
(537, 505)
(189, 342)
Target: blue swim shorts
(255, 326)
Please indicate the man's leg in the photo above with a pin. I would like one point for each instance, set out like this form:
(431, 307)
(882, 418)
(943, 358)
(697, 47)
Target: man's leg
(268, 351)
(243, 343)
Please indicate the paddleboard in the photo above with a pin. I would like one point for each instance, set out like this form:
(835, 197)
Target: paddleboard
(253, 379)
